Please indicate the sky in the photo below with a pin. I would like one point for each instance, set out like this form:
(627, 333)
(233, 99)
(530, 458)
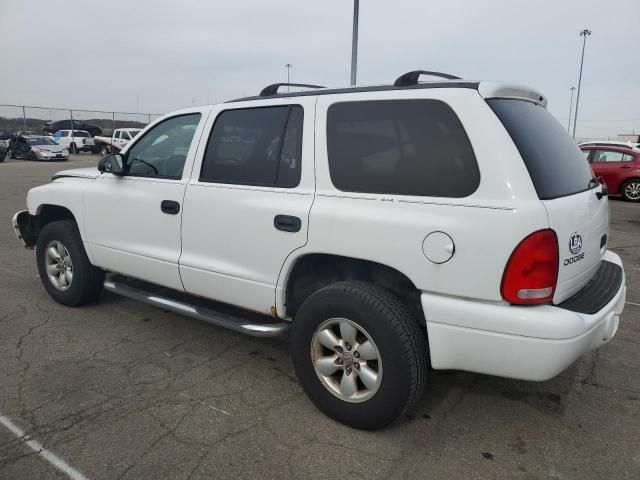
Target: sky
(158, 56)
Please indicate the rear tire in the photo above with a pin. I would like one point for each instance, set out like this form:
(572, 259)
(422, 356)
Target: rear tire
(66, 272)
(384, 388)
(631, 190)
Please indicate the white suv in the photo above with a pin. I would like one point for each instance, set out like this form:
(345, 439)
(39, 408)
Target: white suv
(450, 224)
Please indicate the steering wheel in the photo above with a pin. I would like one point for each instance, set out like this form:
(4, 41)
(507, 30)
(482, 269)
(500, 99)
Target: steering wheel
(155, 170)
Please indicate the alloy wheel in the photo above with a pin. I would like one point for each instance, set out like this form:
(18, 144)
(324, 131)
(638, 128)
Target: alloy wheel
(59, 266)
(632, 190)
(346, 360)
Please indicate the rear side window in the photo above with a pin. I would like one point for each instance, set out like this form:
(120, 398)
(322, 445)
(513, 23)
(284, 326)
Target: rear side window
(80, 134)
(255, 146)
(607, 156)
(555, 163)
(402, 147)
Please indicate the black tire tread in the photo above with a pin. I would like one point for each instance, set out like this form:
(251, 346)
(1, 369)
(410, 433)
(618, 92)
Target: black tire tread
(404, 325)
(92, 277)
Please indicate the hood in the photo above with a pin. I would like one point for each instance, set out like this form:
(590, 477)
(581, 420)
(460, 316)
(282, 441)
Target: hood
(90, 172)
(49, 148)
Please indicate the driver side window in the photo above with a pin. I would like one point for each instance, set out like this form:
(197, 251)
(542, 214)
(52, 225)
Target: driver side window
(162, 152)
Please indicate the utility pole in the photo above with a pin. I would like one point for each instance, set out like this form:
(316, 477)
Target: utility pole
(354, 42)
(570, 108)
(584, 33)
(288, 67)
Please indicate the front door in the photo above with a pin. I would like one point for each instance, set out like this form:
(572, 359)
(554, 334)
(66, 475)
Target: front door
(247, 205)
(133, 221)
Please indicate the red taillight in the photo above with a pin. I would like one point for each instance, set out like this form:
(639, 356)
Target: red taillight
(531, 273)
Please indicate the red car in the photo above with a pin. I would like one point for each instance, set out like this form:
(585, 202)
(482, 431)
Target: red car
(618, 165)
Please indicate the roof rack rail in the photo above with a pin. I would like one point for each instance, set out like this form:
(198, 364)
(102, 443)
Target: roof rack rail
(411, 78)
(273, 89)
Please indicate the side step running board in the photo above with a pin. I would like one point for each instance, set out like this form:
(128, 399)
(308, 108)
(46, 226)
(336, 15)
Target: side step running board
(257, 326)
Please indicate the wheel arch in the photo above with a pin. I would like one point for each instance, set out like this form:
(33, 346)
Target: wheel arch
(310, 272)
(29, 225)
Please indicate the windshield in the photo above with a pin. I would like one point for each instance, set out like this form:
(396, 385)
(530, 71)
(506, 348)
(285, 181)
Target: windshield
(556, 165)
(41, 141)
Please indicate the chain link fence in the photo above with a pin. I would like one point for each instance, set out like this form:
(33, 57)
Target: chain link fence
(35, 119)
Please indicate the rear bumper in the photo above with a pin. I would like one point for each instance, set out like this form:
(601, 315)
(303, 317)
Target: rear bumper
(528, 343)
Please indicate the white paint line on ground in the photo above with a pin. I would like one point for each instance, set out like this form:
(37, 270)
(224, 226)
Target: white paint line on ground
(632, 303)
(37, 447)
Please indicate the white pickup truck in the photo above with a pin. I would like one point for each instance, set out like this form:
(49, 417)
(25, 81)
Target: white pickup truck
(75, 141)
(451, 224)
(117, 141)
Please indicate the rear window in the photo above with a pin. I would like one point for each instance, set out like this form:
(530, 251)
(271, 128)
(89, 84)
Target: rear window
(556, 165)
(402, 147)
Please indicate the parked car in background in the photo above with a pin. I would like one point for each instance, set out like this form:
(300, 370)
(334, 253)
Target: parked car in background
(37, 147)
(52, 127)
(76, 141)
(619, 167)
(4, 149)
(606, 143)
(119, 139)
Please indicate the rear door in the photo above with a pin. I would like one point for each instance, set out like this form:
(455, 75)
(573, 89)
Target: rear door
(563, 180)
(613, 165)
(247, 205)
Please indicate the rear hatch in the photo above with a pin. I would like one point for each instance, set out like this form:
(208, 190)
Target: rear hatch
(564, 182)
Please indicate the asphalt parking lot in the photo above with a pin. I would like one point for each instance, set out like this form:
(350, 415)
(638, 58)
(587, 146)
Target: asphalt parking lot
(122, 390)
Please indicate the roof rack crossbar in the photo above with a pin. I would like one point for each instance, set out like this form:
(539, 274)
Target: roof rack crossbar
(411, 78)
(273, 89)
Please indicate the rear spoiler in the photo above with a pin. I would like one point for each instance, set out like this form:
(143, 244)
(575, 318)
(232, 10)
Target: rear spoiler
(506, 90)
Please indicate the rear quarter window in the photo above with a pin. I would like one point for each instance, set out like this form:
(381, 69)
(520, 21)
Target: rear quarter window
(402, 147)
(555, 163)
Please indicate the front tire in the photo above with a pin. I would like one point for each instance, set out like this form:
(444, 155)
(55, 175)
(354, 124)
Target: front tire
(631, 190)
(64, 268)
(359, 354)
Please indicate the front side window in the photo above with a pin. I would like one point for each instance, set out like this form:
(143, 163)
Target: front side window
(255, 146)
(403, 147)
(162, 152)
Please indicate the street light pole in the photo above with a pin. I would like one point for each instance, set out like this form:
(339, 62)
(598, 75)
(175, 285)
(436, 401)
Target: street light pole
(354, 42)
(584, 33)
(570, 108)
(288, 67)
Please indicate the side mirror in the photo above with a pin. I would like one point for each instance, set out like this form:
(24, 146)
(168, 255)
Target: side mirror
(112, 163)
